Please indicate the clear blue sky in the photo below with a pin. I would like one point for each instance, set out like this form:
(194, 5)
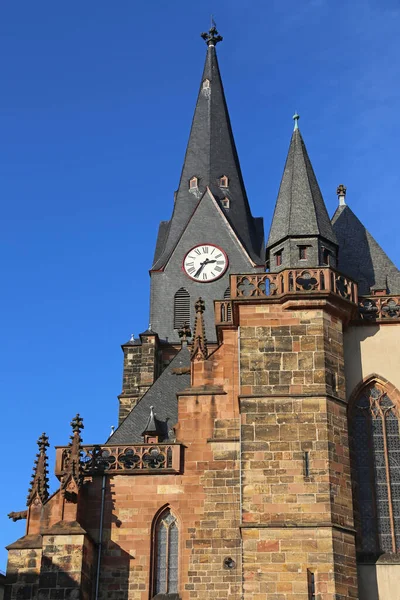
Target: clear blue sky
(96, 104)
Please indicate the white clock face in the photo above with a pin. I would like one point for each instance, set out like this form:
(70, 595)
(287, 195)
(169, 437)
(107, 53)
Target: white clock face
(205, 263)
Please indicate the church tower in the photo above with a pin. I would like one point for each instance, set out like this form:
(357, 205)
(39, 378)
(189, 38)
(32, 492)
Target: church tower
(212, 232)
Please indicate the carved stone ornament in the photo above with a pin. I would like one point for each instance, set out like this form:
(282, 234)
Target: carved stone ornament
(18, 516)
(72, 477)
(39, 489)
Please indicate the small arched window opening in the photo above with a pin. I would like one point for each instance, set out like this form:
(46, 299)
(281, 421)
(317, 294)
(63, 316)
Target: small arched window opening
(206, 84)
(181, 308)
(193, 183)
(375, 452)
(166, 552)
(223, 181)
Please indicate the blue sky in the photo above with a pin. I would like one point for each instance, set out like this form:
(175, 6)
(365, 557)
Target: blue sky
(96, 104)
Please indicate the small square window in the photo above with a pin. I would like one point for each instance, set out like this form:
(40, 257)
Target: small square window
(303, 252)
(278, 258)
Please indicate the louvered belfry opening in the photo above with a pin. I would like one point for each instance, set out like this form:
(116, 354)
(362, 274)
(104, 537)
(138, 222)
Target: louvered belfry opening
(181, 308)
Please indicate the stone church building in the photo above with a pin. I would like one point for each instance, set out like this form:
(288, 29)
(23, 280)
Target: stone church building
(257, 455)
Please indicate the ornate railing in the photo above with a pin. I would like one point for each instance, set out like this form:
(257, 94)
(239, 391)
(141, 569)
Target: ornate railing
(379, 308)
(135, 459)
(262, 285)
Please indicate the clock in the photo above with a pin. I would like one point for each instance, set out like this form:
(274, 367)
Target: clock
(205, 263)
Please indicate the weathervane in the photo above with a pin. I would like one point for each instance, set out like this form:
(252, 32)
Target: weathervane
(212, 37)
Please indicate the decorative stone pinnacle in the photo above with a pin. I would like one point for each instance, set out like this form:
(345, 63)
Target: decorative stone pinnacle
(341, 192)
(212, 37)
(296, 118)
(199, 347)
(40, 482)
(72, 477)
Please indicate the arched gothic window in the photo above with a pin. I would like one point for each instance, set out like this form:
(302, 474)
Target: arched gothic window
(166, 554)
(181, 308)
(375, 445)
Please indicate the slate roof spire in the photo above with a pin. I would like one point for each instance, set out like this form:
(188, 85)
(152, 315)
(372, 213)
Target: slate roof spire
(210, 156)
(300, 217)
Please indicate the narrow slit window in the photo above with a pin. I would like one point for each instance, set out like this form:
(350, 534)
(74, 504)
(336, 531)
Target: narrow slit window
(193, 183)
(223, 181)
(311, 585)
(278, 258)
(306, 464)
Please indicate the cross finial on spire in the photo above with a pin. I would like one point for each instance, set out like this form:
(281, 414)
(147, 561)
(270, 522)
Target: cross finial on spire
(212, 37)
(296, 118)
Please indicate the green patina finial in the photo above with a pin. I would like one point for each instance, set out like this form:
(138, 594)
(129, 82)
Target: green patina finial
(296, 118)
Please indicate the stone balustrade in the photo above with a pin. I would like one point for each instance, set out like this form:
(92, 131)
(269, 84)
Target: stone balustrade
(134, 459)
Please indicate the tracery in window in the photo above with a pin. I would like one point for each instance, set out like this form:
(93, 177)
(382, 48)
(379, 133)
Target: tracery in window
(375, 438)
(166, 554)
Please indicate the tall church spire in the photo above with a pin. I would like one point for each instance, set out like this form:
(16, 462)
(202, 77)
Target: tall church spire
(301, 233)
(211, 161)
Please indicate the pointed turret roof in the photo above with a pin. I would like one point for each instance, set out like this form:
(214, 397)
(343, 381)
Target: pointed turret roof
(210, 155)
(300, 209)
(361, 257)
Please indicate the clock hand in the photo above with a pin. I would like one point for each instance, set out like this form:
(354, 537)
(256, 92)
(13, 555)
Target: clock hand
(202, 265)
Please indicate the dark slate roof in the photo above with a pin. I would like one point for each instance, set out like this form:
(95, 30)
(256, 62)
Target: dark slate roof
(162, 396)
(300, 209)
(210, 154)
(360, 255)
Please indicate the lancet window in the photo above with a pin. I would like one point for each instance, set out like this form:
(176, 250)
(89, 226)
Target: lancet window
(166, 552)
(375, 440)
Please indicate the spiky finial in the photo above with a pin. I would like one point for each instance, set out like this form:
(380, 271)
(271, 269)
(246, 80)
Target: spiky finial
(199, 348)
(40, 482)
(212, 37)
(296, 118)
(72, 478)
(184, 332)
